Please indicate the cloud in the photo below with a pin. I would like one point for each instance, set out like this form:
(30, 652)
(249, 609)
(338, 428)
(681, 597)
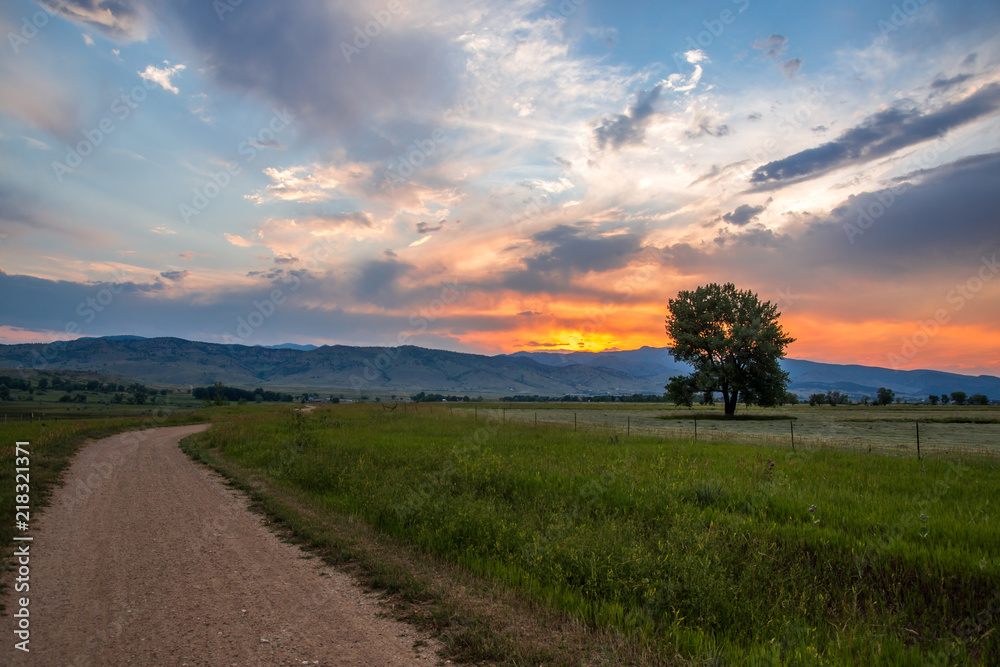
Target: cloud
(426, 228)
(19, 207)
(791, 67)
(942, 83)
(39, 98)
(36, 144)
(705, 123)
(744, 214)
(122, 20)
(773, 47)
(306, 56)
(922, 234)
(879, 135)
(570, 251)
(630, 127)
(162, 75)
(88, 40)
(377, 282)
(162, 230)
(175, 276)
(312, 183)
(238, 240)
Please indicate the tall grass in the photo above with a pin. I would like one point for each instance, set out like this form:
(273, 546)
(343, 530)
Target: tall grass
(710, 551)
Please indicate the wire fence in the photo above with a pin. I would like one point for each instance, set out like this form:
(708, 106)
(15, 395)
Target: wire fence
(886, 437)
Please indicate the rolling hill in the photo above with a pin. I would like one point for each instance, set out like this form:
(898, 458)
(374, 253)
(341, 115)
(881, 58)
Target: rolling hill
(410, 369)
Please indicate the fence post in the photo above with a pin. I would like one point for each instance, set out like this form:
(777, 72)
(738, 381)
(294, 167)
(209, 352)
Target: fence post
(791, 425)
(918, 439)
(696, 429)
(574, 421)
(628, 426)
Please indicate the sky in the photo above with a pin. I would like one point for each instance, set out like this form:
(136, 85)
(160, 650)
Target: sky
(497, 177)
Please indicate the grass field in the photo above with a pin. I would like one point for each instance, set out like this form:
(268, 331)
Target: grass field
(673, 551)
(46, 406)
(889, 429)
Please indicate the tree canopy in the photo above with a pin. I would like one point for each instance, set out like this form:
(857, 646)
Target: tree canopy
(885, 396)
(734, 342)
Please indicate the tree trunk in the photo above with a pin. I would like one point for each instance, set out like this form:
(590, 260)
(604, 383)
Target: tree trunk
(730, 402)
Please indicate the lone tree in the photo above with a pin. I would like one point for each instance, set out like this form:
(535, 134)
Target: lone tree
(885, 396)
(733, 340)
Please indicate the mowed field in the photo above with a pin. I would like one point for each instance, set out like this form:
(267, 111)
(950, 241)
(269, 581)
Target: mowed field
(942, 430)
(661, 549)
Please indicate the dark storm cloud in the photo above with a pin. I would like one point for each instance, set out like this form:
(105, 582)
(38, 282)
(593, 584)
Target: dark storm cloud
(882, 134)
(630, 127)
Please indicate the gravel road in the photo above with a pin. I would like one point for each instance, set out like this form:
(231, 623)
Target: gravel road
(146, 558)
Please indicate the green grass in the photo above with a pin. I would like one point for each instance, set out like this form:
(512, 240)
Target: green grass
(721, 416)
(944, 430)
(700, 550)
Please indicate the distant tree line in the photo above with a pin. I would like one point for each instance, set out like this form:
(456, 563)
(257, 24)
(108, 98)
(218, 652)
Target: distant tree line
(959, 398)
(220, 393)
(885, 396)
(63, 384)
(138, 393)
(423, 397)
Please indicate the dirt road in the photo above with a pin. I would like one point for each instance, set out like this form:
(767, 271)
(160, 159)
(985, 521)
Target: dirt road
(146, 558)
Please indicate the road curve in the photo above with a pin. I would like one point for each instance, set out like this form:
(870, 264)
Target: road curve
(146, 558)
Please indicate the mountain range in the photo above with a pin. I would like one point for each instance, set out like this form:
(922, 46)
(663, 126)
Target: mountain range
(374, 370)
